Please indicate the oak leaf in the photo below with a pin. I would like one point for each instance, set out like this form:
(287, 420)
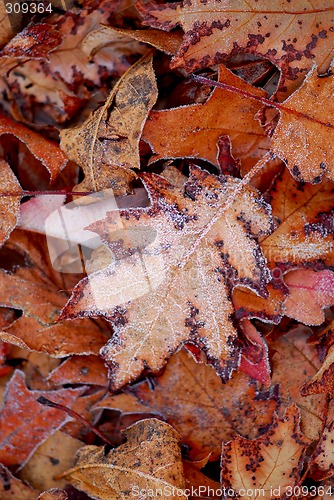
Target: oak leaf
(304, 135)
(272, 461)
(25, 424)
(193, 131)
(204, 244)
(139, 464)
(107, 144)
(309, 294)
(304, 235)
(193, 399)
(292, 36)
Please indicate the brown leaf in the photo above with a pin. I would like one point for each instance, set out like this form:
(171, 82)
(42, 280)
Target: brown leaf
(80, 370)
(9, 205)
(38, 291)
(193, 131)
(25, 424)
(304, 136)
(309, 294)
(106, 145)
(192, 398)
(201, 237)
(46, 151)
(197, 482)
(291, 36)
(272, 461)
(138, 464)
(249, 305)
(49, 460)
(53, 494)
(305, 232)
(322, 461)
(294, 363)
(11, 487)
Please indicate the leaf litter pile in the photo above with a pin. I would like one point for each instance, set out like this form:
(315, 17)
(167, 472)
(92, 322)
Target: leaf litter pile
(167, 250)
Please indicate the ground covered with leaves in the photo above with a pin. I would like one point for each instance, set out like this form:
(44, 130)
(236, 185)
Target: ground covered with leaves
(167, 250)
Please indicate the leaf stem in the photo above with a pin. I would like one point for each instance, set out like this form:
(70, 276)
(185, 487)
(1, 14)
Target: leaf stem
(47, 402)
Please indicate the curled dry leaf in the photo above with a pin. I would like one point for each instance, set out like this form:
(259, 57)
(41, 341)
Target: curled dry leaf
(291, 35)
(294, 363)
(106, 146)
(272, 461)
(9, 205)
(309, 294)
(168, 43)
(304, 235)
(304, 135)
(322, 460)
(197, 242)
(25, 424)
(192, 398)
(138, 464)
(193, 131)
(195, 479)
(11, 487)
(38, 291)
(46, 151)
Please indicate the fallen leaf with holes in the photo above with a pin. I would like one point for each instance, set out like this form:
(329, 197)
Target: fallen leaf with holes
(292, 36)
(9, 205)
(191, 240)
(322, 460)
(304, 135)
(11, 487)
(138, 464)
(192, 398)
(309, 294)
(273, 460)
(294, 363)
(25, 424)
(193, 131)
(107, 144)
(33, 287)
(304, 235)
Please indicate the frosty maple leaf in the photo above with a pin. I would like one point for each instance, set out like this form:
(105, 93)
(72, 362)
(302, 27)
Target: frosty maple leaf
(206, 240)
(193, 131)
(291, 35)
(274, 460)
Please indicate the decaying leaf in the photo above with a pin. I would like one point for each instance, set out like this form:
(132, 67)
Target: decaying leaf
(193, 131)
(291, 35)
(9, 205)
(272, 461)
(304, 135)
(11, 487)
(304, 214)
(53, 494)
(139, 464)
(46, 151)
(192, 398)
(309, 294)
(294, 363)
(107, 144)
(196, 242)
(80, 370)
(322, 460)
(38, 291)
(25, 424)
